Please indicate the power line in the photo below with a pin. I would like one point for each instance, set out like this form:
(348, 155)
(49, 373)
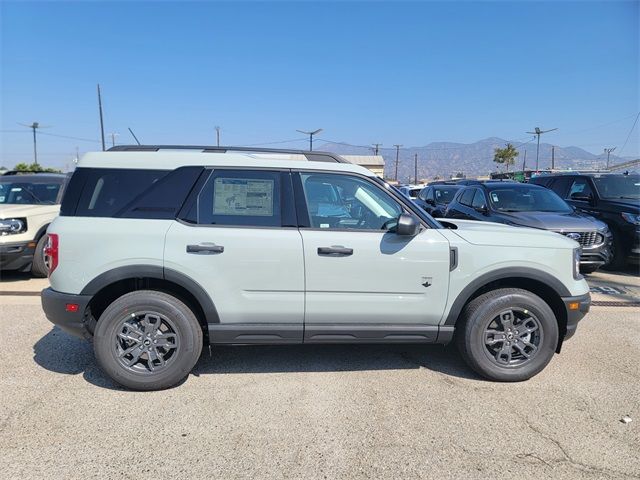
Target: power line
(629, 135)
(277, 142)
(311, 134)
(538, 133)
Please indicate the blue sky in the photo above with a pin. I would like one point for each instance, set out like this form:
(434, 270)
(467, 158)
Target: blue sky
(390, 72)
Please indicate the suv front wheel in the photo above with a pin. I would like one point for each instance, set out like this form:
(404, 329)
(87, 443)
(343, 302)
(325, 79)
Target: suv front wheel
(147, 340)
(507, 335)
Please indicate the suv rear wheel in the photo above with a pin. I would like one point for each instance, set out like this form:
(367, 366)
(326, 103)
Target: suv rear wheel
(507, 335)
(39, 267)
(147, 340)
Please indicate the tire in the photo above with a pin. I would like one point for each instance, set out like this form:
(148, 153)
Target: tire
(588, 270)
(38, 267)
(485, 313)
(619, 257)
(137, 323)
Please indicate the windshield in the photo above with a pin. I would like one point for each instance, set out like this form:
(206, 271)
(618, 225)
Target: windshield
(618, 186)
(445, 194)
(527, 199)
(16, 192)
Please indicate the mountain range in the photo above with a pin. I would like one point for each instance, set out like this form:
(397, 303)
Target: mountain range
(443, 159)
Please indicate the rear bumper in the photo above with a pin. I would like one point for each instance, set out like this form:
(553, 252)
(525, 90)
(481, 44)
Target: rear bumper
(16, 256)
(57, 310)
(577, 308)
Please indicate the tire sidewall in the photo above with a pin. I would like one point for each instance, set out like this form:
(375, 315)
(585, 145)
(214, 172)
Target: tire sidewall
(474, 337)
(38, 266)
(187, 328)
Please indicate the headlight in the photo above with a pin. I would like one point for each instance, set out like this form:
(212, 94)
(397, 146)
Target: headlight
(10, 226)
(576, 263)
(632, 218)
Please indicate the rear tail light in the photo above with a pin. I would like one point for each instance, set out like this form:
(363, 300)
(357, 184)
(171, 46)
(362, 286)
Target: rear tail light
(51, 253)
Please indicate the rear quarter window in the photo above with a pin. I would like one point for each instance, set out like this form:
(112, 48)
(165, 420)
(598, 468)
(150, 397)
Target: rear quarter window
(128, 193)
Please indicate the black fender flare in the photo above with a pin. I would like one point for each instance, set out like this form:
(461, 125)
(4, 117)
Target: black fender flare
(153, 271)
(526, 273)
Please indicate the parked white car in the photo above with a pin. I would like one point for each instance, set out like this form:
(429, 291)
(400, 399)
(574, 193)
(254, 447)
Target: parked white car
(157, 252)
(28, 204)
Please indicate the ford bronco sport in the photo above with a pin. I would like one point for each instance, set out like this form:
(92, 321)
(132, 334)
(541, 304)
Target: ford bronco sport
(28, 204)
(160, 250)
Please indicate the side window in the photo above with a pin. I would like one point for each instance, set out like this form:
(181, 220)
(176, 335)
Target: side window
(239, 198)
(430, 194)
(107, 190)
(346, 202)
(479, 200)
(580, 189)
(467, 196)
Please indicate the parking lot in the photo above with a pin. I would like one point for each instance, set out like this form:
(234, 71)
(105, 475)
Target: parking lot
(322, 411)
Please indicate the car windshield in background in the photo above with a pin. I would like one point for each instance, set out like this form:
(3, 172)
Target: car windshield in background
(445, 195)
(527, 199)
(618, 186)
(24, 193)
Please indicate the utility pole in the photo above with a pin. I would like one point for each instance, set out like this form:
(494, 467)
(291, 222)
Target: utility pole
(397, 157)
(608, 152)
(77, 159)
(415, 166)
(553, 157)
(311, 134)
(217, 136)
(376, 147)
(113, 138)
(524, 161)
(101, 120)
(35, 126)
(538, 132)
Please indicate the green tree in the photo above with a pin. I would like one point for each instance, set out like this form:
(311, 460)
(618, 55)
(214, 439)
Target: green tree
(35, 168)
(506, 155)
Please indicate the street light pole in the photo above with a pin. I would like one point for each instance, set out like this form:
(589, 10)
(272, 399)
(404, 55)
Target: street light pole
(311, 134)
(218, 136)
(397, 157)
(539, 132)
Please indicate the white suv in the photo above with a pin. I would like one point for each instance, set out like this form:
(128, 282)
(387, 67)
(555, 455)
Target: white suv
(160, 250)
(28, 204)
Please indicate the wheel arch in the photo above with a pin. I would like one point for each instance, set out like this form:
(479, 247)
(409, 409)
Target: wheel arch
(108, 286)
(542, 284)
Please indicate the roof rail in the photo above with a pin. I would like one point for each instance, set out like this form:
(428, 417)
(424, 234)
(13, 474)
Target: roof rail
(310, 155)
(9, 173)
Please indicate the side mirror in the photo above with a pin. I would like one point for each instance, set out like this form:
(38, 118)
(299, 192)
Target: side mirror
(580, 197)
(407, 225)
(482, 209)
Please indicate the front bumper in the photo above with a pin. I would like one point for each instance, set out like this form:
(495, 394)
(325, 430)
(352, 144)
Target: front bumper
(56, 306)
(577, 308)
(16, 255)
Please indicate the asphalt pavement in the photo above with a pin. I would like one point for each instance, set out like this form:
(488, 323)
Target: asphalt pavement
(320, 411)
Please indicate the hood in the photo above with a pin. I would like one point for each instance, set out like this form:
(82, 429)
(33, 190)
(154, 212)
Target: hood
(13, 211)
(623, 204)
(559, 222)
(500, 235)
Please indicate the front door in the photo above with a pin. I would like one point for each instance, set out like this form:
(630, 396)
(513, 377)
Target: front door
(238, 240)
(359, 274)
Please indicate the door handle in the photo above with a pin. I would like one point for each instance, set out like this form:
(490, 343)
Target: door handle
(335, 251)
(205, 249)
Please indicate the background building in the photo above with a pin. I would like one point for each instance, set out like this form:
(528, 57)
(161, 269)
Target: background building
(375, 163)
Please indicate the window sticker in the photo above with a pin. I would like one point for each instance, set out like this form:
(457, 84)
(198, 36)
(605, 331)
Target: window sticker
(494, 197)
(242, 196)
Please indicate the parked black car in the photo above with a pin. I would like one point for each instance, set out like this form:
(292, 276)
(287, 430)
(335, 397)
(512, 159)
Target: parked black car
(534, 206)
(435, 197)
(613, 198)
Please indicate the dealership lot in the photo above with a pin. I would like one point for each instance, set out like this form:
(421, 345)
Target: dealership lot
(322, 411)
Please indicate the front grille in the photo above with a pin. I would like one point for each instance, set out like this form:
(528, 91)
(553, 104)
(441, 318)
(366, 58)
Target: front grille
(585, 239)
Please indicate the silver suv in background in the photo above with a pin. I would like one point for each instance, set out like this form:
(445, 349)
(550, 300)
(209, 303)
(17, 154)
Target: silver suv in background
(209, 246)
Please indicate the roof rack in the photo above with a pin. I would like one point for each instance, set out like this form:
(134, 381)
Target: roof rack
(9, 173)
(310, 155)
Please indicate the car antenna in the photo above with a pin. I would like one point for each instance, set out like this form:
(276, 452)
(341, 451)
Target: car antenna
(134, 136)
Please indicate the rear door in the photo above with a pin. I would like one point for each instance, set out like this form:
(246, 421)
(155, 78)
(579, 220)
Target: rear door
(237, 238)
(362, 280)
